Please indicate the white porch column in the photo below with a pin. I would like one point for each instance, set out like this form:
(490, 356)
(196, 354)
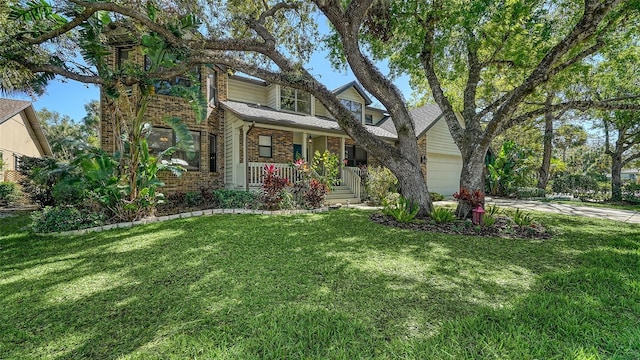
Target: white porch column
(304, 146)
(245, 145)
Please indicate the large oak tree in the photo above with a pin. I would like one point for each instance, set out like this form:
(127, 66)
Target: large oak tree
(483, 60)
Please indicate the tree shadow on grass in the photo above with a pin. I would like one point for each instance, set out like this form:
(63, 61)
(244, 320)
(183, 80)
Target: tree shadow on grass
(321, 286)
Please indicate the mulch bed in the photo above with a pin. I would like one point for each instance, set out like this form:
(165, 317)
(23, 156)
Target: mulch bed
(504, 228)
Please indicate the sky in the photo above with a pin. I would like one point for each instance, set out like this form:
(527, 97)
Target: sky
(68, 97)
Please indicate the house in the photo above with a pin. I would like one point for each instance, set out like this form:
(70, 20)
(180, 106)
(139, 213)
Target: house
(251, 123)
(20, 135)
(631, 175)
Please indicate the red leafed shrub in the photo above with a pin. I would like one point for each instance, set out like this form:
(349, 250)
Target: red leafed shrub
(315, 194)
(473, 198)
(272, 187)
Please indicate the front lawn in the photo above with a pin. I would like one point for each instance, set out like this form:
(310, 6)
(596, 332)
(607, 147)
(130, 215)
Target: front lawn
(319, 286)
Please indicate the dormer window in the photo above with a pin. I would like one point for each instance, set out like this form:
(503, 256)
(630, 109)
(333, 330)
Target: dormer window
(164, 86)
(295, 100)
(354, 107)
(368, 119)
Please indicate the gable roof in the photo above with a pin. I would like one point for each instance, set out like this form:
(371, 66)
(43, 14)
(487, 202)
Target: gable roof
(423, 117)
(267, 115)
(9, 108)
(359, 89)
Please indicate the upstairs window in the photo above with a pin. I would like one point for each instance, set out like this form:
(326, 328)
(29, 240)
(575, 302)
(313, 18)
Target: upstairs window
(161, 139)
(354, 107)
(123, 55)
(295, 100)
(368, 119)
(163, 87)
(212, 89)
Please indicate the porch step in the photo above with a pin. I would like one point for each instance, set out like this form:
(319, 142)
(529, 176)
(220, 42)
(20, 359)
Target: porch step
(341, 195)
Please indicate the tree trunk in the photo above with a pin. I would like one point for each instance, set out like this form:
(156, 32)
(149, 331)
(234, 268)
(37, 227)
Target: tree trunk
(471, 177)
(616, 181)
(543, 172)
(412, 185)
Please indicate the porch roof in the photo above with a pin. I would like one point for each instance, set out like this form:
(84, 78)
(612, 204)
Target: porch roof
(267, 115)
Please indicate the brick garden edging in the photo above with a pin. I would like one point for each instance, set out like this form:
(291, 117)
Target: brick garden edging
(185, 215)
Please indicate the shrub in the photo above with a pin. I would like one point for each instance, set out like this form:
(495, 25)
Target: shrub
(235, 199)
(314, 196)
(631, 193)
(473, 198)
(402, 210)
(9, 193)
(193, 198)
(435, 196)
(528, 192)
(326, 168)
(66, 193)
(575, 184)
(55, 219)
(38, 179)
(380, 182)
(442, 215)
(272, 187)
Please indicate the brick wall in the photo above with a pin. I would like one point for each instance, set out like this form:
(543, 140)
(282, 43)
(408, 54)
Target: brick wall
(164, 106)
(281, 142)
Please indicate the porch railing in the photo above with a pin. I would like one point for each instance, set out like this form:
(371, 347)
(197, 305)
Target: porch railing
(351, 178)
(256, 173)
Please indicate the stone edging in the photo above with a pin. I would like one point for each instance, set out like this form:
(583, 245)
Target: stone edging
(184, 216)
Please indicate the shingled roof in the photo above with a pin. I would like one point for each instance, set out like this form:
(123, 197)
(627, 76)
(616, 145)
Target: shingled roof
(9, 108)
(423, 117)
(267, 115)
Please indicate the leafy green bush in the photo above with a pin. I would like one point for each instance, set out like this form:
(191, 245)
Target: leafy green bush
(488, 220)
(38, 179)
(442, 215)
(55, 219)
(435, 196)
(380, 182)
(67, 193)
(631, 193)
(193, 198)
(402, 210)
(9, 193)
(522, 218)
(528, 192)
(575, 184)
(235, 199)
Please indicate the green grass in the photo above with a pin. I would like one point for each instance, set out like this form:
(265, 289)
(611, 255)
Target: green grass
(319, 286)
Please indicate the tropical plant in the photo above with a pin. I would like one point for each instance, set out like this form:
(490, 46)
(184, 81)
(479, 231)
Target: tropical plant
(442, 215)
(471, 199)
(315, 194)
(488, 220)
(522, 218)
(38, 177)
(507, 169)
(326, 168)
(403, 210)
(273, 187)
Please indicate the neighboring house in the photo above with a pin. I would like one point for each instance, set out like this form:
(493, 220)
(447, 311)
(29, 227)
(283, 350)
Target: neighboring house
(252, 123)
(20, 135)
(632, 175)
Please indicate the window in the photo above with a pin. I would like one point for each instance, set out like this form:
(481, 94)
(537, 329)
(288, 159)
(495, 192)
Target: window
(355, 155)
(212, 89)
(161, 139)
(368, 119)
(213, 156)
(354, 107)
(124, 54)
(264, 146)
(295, 100)
(163, 87)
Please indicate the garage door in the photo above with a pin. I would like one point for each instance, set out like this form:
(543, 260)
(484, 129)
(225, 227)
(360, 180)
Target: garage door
(443, 173)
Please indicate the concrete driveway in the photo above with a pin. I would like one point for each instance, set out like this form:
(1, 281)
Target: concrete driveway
(628, 216)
